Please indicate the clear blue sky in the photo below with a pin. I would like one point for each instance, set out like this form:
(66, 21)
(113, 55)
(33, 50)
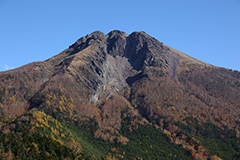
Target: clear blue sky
(32, 30)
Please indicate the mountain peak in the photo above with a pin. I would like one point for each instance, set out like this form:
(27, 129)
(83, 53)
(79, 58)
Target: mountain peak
(116, 33)
(97, 35)
(139, 49)
(137, 33)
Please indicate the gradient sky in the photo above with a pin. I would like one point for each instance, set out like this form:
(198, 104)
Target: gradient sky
(32, 30)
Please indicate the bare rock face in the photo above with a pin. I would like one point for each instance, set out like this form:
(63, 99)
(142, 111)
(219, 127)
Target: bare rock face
(110, 63)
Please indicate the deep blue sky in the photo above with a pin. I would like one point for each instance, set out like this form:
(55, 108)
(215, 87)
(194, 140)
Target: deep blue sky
(32, 30)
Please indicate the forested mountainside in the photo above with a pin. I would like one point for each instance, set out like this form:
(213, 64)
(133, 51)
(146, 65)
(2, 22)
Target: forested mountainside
(120, 96)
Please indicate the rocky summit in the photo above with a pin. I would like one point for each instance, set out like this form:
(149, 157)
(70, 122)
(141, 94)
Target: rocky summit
(120, 96)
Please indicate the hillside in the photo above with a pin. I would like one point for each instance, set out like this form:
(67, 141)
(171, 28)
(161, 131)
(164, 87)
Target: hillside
(121, 96)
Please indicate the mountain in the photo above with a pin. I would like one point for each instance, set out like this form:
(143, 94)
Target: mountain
(121, 96)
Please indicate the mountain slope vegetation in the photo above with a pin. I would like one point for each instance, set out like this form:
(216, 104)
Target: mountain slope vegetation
(120, 96)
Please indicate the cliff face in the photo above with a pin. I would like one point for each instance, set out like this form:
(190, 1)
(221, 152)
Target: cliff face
(110, 77)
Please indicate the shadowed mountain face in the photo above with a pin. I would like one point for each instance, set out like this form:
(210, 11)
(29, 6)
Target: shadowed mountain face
(107, 78)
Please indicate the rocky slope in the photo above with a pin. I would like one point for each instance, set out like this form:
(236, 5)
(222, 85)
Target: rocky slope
(116, 77)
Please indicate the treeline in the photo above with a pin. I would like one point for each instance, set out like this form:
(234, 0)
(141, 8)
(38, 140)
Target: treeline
(226, 148)
(33, 146)
(208, 130)
(220, 142)
(148, 142)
